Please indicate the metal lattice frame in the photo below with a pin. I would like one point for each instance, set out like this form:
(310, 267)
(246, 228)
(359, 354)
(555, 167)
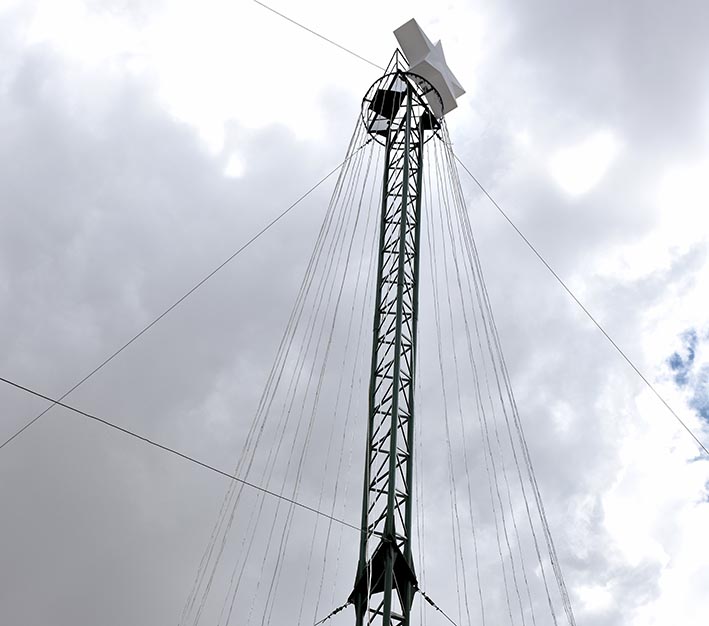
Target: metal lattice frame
(397, 114)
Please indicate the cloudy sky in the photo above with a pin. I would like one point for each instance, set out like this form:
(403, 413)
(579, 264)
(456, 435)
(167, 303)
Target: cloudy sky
(143, 142)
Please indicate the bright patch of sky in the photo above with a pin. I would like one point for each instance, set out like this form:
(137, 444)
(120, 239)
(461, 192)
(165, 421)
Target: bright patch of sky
(579, 168)
(83, 35)
(234, 166)
(595, 598)
(684, 195)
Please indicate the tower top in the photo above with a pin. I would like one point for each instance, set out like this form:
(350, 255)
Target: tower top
(428, 61)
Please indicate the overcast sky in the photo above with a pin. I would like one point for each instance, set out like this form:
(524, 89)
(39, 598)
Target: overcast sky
(142, 142)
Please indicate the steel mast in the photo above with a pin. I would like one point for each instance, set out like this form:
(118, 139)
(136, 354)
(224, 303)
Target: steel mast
(401, 111)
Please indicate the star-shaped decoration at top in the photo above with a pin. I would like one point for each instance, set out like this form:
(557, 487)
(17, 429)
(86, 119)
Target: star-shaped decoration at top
(428, 61)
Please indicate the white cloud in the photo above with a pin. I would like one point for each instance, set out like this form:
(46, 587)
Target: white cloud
(235, 166)
(595, 598)
(85, 37)
(580, 167)
(683, 195)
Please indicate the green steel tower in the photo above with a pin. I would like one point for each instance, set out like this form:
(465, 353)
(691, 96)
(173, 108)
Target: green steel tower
(402, 110)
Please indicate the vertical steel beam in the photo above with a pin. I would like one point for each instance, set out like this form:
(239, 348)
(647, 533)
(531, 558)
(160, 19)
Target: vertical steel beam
(409, 592)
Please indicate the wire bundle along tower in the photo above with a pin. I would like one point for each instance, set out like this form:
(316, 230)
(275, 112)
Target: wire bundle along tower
(402, 110)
